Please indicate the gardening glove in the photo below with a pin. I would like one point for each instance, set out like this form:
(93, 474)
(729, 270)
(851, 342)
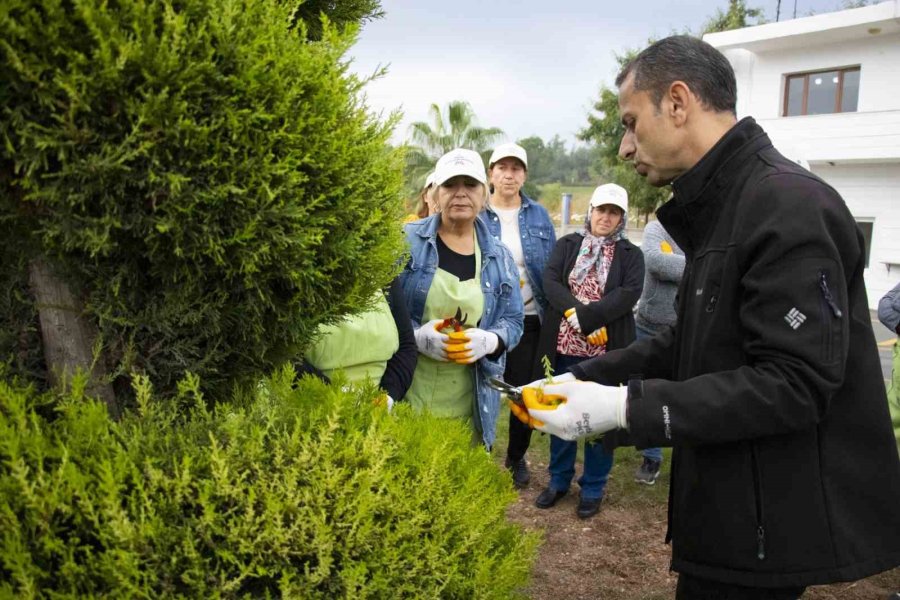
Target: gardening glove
(384, 400)
(431, 342)
(598, 338)
(468, 346)
(574, 409)
(572, 317)
(665, 247)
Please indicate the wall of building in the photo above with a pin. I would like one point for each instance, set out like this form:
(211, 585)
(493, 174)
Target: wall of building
(872, 193)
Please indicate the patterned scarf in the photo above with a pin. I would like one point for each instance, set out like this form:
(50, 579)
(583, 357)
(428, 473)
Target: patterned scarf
(590, 254)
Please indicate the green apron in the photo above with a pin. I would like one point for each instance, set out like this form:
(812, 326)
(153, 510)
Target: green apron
(447, 389)
(360, 346)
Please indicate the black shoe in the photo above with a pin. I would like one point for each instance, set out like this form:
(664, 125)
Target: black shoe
(549, 497)
(588, 507)
(647, 472)
(519, 470)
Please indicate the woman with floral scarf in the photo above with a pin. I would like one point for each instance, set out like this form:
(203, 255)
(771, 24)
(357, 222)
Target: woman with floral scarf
(592, 281)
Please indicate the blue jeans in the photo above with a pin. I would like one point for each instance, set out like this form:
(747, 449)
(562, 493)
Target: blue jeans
(597, 461)
(650, 453)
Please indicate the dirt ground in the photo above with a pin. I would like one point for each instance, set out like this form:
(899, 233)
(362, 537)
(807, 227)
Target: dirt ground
(619, 554)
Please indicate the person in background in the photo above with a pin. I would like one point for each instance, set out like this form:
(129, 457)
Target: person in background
(425, 204)
(889, 315)
(524, 226)
(664, 265)
(593, 280)
(459, 277)
(785, 471)
(377, 344)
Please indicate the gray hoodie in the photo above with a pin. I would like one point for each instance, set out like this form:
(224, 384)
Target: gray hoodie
(662, 275)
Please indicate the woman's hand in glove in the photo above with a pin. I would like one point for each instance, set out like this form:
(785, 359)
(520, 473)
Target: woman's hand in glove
(431, 342)
(467, 346)
(574, 409)
(572, 317)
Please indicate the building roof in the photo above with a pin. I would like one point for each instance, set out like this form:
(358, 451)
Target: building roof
(881, 19)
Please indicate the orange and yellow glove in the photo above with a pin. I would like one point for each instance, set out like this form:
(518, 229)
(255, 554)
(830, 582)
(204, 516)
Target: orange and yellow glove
(598, 338)
(571, 316)
(665, 247)
(467, 346)
(573, 409)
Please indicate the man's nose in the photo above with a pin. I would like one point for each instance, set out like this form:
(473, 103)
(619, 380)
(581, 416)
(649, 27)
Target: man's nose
(626, 146)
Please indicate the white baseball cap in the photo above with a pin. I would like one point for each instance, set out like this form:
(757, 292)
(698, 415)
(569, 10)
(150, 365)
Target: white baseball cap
(459, 161)
(507, 150)
(429, 181)
(610, 193)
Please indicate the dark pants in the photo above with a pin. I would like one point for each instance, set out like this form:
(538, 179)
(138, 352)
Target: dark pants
(519, 371)
(695, 588)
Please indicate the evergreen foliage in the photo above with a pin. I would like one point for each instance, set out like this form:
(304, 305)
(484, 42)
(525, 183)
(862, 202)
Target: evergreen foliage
(209, 182)
(298, 490)
(338, 12)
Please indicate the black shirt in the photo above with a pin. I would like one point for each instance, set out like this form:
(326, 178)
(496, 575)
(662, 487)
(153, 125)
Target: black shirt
(459, 265)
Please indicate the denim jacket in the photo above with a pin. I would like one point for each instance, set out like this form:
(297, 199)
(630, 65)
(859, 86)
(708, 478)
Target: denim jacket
(538, 238)
(503, 313)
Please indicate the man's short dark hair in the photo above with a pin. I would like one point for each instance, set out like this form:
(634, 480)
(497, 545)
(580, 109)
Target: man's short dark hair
(684, 58)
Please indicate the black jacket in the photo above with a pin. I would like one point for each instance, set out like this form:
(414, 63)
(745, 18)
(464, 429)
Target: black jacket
(784, 471)
(621, 292)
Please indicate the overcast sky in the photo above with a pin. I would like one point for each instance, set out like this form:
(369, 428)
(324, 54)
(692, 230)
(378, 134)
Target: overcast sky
(530, 67)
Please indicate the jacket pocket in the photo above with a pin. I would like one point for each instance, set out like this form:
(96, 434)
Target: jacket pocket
(831, 320)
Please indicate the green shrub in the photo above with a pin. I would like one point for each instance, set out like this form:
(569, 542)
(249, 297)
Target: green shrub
(298, 491)
(207, 181)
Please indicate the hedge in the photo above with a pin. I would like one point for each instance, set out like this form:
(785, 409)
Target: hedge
(298, 490)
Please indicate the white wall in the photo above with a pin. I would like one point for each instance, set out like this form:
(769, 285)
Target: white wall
(761, 75)
(872, 193)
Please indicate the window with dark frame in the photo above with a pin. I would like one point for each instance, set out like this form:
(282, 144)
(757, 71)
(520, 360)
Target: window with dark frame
(866, 228)
(821, 92)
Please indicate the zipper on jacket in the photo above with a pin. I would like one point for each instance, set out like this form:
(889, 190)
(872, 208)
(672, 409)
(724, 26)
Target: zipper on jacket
(757, 489)
(711, 303)
(826, 292)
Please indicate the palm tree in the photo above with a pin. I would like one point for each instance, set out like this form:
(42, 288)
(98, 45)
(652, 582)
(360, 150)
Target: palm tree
(429, 141)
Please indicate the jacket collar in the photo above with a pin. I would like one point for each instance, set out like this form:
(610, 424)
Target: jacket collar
(686, 216)
(719, 164)
(427, 229)
(526, 203)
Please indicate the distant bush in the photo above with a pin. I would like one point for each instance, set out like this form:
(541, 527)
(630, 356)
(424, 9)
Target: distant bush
(209, 183)
(297, 491)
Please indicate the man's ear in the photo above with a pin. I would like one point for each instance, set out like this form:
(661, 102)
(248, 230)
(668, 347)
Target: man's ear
(681, 101)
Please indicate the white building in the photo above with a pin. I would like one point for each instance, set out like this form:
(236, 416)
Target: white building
(826, 88)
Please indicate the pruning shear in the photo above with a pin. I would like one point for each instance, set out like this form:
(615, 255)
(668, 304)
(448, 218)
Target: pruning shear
(457, 321)
(510, 391)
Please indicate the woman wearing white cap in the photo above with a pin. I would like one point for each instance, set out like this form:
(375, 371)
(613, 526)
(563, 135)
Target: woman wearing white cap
(460, 277)
(524, 226)
(593, 280)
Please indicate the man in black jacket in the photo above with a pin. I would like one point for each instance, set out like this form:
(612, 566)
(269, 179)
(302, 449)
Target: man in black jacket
(769, 388)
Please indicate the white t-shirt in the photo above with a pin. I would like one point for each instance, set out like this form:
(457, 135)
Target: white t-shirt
(509, 235)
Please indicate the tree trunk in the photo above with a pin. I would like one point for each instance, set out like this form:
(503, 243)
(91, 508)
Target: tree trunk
(67, 335)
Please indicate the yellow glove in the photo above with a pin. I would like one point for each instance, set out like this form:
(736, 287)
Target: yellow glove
(571, 316)
(665, 247)
(598, 338)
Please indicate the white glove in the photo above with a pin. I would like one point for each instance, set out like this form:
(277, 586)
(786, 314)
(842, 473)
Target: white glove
(556, 379)
(471, 345)
(587, 409)
(572, 318)
(431, 342)
(390, 403)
